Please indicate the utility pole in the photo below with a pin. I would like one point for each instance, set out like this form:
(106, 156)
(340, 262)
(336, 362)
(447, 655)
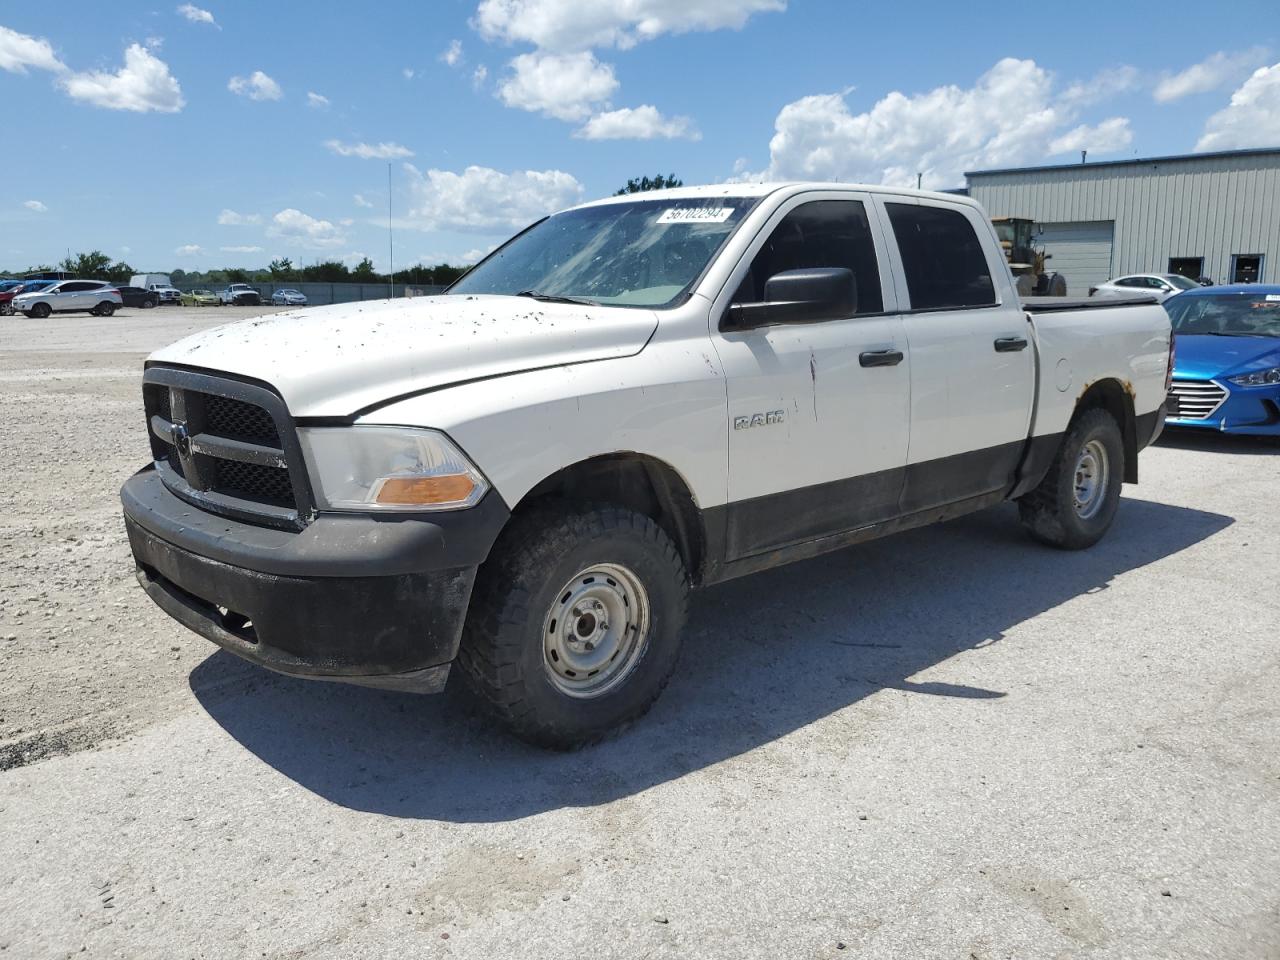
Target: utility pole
(391, 238)
(919, 180)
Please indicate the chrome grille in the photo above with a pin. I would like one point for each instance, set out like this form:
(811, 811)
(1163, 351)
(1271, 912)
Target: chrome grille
(1197, 399)
(224, 445)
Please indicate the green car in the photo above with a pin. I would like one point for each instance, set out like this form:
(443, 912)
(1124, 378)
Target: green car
(201, 298)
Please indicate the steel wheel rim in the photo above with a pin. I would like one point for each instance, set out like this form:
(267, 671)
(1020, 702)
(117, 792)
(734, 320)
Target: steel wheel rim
(596, 631)
(1091, 479)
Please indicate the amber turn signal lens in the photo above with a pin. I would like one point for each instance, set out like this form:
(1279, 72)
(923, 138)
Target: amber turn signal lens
(415, 491)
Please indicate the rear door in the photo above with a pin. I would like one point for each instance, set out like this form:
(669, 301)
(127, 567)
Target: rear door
(972, 363)
(818, 412)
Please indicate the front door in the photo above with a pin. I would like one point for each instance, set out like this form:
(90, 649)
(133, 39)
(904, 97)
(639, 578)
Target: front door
(819, 412)
(972, 361)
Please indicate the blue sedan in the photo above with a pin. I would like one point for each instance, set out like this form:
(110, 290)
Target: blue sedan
(1226, 371)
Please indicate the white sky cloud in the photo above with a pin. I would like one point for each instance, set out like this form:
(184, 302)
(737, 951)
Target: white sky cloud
(35, 205)
(479, 76)
(407, 73)
(196, 15)
(240, 249)
(564, 86)
(142, 85)
(453, 55)
(360, 200)
(1214, 72)
(484, 200)
(1251, 119)
(229, 218)
(317, 100)
(369, 151)
(18, 51)
(1106, 137)
(574, 25)
(1011, 115)
(474, 255)
(300, 229)
(256, 86)
(1102, 85)
(637, 123)
(189, 250)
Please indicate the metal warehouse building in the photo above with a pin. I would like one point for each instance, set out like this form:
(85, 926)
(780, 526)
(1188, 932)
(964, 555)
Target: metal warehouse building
(1204, 214)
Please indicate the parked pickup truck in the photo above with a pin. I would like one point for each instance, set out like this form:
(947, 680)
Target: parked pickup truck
(525, 476)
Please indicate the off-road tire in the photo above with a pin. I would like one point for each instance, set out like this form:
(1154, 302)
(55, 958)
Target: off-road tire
(1049, 512)
(502, 651)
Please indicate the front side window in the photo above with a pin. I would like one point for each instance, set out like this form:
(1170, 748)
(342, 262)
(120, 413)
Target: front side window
(638, 253)
(821, 233)
(942, 258)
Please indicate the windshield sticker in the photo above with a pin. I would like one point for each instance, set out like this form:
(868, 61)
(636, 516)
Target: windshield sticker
(696, 215)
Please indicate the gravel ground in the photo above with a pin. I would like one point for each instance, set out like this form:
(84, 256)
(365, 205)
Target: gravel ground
(952, 743)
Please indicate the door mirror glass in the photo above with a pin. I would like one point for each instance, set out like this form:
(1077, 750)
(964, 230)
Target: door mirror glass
(800, 296)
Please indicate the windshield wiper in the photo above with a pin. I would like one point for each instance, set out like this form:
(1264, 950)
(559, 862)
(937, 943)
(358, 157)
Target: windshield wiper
(553, 298)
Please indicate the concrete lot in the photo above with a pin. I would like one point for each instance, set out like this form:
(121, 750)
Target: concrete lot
(953, 743)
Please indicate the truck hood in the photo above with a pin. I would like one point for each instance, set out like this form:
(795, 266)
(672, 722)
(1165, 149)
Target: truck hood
(334, 361)
(1201, 357)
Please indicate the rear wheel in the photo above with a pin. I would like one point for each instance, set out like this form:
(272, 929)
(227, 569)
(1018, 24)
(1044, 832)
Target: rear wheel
(105, 309)
(574, 628)
(1074, 504)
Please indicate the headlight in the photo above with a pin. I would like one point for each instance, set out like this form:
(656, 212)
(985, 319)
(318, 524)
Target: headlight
(1259, 378)
(388, 469)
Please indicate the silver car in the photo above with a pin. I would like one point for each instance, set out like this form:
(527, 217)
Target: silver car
(289, 298)
(1162, 286)
(70, 296)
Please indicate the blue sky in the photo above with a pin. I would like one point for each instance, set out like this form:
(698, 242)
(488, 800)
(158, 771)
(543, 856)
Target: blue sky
(229, 133)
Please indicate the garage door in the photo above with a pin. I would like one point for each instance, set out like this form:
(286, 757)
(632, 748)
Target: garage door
(1081, 252)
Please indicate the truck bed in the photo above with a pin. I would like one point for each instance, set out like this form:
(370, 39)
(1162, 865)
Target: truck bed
(1052, 304)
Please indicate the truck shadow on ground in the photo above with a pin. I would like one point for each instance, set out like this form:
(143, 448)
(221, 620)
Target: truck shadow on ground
(763, 656)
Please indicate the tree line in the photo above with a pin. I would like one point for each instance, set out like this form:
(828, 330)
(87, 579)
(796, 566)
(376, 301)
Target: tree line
(96, 265)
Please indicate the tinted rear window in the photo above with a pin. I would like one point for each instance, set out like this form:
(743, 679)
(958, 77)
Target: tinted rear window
(944, 262)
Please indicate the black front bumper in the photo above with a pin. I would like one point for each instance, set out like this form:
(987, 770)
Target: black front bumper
(350, 598)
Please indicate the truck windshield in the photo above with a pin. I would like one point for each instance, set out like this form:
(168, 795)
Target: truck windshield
(640, 253)
(1250, 315)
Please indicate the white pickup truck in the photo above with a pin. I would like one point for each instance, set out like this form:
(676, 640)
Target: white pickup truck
(628, 399)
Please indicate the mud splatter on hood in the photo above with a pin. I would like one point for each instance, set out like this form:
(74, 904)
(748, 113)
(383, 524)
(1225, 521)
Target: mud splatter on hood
(335, 360)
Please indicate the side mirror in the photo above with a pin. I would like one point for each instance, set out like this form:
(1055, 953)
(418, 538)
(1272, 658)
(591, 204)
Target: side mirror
(799, 296)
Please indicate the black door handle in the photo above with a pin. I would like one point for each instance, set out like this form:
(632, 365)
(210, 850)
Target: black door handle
(880, 358)
(1010, 344)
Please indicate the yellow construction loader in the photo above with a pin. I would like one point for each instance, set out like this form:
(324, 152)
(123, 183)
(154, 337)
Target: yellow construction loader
(1026, 260)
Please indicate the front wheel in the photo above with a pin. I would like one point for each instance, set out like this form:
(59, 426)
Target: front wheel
(148, 303)
(574, 626)
(40, 311)
(1074, 504)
